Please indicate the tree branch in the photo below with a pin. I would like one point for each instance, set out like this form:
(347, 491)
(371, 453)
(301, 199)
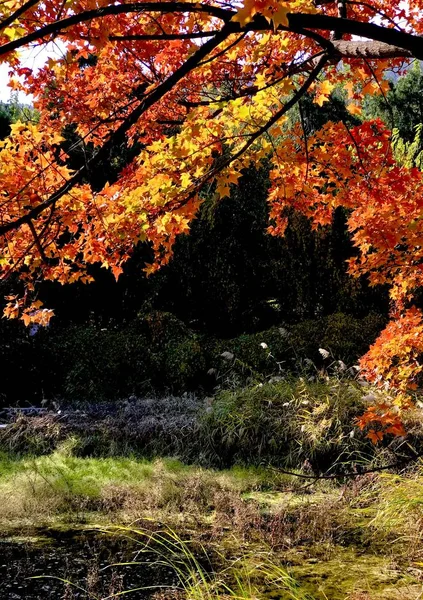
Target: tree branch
(156, 95)
(298, 23)
(18, 12)
(162, 36)
(37, 241)
(370, 49)
(114, 9)
(386, 43)
(393, 37)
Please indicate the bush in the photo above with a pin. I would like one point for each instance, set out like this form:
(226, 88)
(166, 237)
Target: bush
(158, 353)
(344, 337)
(155, 352)
(288, 349)
(288, 423)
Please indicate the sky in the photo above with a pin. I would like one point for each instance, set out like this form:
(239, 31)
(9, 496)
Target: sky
(4, 90)
(32, 58)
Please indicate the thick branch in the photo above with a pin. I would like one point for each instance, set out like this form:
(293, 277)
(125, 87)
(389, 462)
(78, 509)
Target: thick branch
(405, 41)
(370, 49)
(115, 9)
(298, 23)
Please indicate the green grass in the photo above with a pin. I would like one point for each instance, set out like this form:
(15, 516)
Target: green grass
(63, 485)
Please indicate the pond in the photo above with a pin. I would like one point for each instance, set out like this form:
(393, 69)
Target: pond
(85, 558)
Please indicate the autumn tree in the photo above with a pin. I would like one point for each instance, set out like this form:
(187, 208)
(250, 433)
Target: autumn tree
(202, 90)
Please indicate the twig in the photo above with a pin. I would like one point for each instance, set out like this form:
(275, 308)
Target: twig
(351, 474)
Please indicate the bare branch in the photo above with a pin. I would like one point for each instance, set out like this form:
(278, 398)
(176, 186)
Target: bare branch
(163, 36)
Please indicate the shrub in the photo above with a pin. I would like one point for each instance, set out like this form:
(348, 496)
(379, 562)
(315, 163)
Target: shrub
(290, 348)
(158, 353)
(288, 423)
(154, 352)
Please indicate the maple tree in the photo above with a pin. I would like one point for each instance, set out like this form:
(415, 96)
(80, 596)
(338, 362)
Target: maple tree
(203, 89)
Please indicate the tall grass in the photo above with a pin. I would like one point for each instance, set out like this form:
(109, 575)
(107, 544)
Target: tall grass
(61, 485)
(398, 518)
(282, 422)
(247, 578)
(195, 577)
(287, 423)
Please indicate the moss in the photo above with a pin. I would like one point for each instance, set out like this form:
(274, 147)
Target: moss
(349, 573)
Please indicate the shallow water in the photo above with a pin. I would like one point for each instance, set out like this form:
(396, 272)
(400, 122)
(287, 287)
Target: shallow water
(82, 557)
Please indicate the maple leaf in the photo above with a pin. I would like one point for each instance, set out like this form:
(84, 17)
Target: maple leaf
(323, 92)
(375, 436)
(222, 189)
(246, 13)
(354, 108)
(279, 16)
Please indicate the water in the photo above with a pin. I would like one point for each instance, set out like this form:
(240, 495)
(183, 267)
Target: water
(85, 558)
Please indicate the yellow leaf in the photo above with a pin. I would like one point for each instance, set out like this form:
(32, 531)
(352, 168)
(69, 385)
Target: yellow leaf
(13, 32)
(186, 180)
(321, 99)
(326, 87)
(233, 177)
(246, 13)
(350, 89)
(223, 189)
(280, 16)
(243, 112)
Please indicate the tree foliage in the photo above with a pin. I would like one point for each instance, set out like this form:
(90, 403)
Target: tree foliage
(401, 107)
(197, 93)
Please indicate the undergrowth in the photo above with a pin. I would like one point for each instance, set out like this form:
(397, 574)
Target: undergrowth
(225, 485)
(284, 423)
(336, 537)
